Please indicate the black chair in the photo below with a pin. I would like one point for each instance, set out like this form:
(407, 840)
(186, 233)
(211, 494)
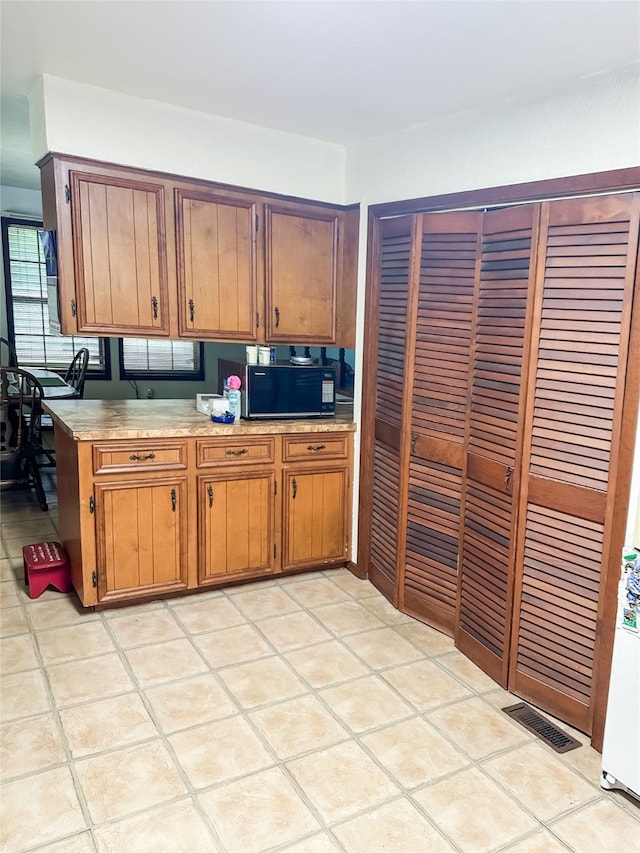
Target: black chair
(8, 356)
(21, 398)
(77, 371)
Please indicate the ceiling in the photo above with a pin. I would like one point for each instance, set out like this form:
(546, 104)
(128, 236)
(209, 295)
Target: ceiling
(337, 70)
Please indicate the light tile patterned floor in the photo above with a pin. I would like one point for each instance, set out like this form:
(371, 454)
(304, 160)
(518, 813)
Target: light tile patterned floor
(302, 714)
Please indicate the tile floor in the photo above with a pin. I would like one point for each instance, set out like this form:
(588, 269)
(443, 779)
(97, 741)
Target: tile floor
(298, 714)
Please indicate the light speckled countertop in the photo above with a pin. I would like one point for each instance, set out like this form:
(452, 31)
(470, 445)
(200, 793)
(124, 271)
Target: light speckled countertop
(94, 420)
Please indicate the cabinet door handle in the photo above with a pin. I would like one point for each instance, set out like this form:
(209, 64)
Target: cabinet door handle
(507, 478)
(295, 488)
(142, 457)
(316, 446)
(154, 305)
(242, 452)
(414, 439)
(192, 310)
(210, 493)
(277, 313)
(174, 499)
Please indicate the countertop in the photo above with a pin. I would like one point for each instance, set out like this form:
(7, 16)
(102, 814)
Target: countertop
(94, 420)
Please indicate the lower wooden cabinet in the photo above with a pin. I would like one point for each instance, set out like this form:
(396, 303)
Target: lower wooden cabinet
(148, 517)
(141, 536)
(236, 525)
(315, 523)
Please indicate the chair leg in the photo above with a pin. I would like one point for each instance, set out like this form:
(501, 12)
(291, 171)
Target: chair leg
(34, 473)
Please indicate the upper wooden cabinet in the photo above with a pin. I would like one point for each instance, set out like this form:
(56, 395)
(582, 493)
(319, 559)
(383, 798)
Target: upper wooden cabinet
(148, 254)
(121, 262)
(301, 274)
(217, 274)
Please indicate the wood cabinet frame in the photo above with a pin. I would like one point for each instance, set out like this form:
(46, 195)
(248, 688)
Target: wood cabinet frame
(90, 469)
(59, 189)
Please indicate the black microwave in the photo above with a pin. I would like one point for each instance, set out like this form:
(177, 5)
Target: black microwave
(288, 391)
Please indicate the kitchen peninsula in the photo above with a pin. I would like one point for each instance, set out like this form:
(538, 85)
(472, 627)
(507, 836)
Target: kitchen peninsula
(154, 498)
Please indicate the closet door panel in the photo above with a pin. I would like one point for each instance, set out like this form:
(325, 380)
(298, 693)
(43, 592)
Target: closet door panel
(438, 416)
(585, 289)
(391, 334)
(504, 285)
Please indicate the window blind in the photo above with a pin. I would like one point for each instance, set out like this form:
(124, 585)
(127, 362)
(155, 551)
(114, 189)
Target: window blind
(26, 291)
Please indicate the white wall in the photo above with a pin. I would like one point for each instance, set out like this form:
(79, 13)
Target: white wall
(594, 126)
(72, 118)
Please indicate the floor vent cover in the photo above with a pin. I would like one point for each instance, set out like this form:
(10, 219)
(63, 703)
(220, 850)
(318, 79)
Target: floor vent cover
(546, 731)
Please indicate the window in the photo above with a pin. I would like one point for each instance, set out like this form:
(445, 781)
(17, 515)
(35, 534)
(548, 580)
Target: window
(27, 309)
(141, 358)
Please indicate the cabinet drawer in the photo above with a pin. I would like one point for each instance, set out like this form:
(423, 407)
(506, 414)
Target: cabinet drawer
(235, 451)
(318, 445)
(139, 456)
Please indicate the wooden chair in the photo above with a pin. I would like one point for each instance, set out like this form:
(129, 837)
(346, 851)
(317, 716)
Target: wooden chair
(21, 398)
(8, 356)
(77, 371)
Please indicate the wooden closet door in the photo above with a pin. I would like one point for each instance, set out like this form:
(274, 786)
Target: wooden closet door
(584, 292)
(448, 256)
(494, 443)
(380, 509)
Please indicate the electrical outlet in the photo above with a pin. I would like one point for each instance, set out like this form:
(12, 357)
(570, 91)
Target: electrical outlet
(149, 393)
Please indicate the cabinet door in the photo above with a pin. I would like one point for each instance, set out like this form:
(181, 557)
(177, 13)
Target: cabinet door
(141, 528)
(494, 439)
(236, 525)
(315, 517)
(380, 508)
(216, 251)
(120, 255)
(571, 457)
(301, 274)
(439, 401)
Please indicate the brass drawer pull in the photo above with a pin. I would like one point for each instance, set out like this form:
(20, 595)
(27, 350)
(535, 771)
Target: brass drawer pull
(242, 452)
(316, 446)
(142, 458)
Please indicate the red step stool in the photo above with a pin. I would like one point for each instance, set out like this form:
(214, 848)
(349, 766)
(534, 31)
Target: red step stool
(46, 563)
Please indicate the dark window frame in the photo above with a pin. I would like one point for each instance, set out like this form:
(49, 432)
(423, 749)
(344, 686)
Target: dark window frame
(171, 375)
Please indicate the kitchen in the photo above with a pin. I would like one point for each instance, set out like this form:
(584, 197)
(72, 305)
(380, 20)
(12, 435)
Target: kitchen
(77, 102)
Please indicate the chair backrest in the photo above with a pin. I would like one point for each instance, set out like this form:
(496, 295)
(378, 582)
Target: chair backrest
(21, 398)
(8, 357)
(77, 370)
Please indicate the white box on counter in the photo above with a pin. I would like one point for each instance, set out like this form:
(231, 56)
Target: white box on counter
(211, 404)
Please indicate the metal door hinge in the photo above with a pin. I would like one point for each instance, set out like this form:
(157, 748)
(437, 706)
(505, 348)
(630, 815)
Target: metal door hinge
(67, 193)
(74, 308)
(92, 504)
(94, 578)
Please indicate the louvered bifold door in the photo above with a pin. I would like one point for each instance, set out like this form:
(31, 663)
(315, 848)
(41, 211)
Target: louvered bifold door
(390, 331)
(492, 472)
(438, 416)
(584, 291)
